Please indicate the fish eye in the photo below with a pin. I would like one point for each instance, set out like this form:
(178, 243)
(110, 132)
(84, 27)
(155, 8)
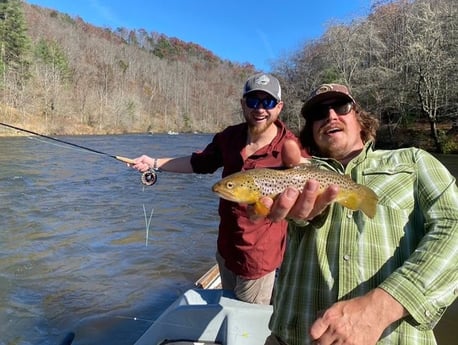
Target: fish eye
(230, 185)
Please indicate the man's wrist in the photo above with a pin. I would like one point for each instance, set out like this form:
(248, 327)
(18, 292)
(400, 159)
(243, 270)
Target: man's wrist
(390, 309)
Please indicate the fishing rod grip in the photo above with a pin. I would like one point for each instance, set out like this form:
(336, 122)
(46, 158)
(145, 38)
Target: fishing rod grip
(125, 160)
(148, 177)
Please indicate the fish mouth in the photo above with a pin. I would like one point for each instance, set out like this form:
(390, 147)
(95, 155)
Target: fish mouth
(229, 195)
(223, 193)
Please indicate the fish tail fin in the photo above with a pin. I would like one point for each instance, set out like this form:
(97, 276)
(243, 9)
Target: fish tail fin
(362, 198)
(369, 202)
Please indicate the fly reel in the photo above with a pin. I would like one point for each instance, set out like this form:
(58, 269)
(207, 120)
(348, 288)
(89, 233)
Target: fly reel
(149, 177)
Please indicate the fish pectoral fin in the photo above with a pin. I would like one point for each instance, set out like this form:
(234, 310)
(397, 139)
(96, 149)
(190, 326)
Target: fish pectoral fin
(260, 209)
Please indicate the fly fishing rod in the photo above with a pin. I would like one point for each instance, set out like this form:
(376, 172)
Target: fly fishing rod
(148, 177)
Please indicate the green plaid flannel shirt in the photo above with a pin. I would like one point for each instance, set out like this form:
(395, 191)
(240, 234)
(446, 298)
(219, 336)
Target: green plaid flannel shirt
(409, 249)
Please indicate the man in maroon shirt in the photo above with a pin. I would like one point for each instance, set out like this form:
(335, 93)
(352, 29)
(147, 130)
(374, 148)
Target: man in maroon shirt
(248, 253)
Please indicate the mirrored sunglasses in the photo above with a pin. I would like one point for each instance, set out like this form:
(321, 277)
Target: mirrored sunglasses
(267, 103)
(321, 111)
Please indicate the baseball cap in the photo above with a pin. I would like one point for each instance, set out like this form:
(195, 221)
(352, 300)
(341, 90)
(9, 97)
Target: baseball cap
(263, 82)
(324, 92)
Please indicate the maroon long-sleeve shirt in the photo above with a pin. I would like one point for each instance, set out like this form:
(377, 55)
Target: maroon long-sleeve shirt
(249, 249)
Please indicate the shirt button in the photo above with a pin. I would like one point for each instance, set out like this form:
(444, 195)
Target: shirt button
(346, 257)
(427, 313)
(349, 214)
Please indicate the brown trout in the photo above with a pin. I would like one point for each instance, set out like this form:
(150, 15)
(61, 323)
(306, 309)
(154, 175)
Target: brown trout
(247, 187)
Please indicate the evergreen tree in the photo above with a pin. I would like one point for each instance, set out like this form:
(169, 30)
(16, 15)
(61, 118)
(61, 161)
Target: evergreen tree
(14, 41)
(51, 54)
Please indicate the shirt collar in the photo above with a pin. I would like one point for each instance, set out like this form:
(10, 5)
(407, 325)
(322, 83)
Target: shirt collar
(337, 166)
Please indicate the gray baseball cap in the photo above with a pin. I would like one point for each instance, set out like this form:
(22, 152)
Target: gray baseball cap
(263, 82)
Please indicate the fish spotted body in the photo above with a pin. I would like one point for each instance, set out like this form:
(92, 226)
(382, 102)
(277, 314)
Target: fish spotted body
(249, 186)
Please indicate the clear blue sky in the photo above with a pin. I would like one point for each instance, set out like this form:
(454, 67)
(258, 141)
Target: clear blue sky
(253, 31)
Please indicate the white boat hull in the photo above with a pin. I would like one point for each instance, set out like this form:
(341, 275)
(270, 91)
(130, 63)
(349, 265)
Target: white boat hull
(212, 316)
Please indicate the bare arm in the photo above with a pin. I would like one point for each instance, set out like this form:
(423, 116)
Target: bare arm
(179, 164)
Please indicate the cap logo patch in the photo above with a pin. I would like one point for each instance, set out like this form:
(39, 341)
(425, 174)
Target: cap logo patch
(323, 88)
(262, 80)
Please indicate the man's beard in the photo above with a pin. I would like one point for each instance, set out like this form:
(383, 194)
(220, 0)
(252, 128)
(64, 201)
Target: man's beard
(257, 129)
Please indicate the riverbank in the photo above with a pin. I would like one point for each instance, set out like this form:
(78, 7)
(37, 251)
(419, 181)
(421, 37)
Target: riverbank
(418, 135)
(388, 137)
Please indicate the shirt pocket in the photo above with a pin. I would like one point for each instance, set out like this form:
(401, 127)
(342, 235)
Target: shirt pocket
(394, 185)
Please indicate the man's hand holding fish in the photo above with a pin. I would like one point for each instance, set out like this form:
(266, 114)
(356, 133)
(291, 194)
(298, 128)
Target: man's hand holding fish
(296, 204)
(300, 205)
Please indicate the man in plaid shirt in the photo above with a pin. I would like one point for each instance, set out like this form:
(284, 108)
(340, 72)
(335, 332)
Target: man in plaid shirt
(349, 279)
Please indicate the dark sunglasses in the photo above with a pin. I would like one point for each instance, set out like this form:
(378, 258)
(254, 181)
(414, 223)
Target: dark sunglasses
(267, 103)
(321, 111)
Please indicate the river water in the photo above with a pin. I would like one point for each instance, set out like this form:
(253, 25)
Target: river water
(86, 248)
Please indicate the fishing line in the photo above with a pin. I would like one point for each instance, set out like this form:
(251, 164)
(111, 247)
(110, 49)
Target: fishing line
(55, 144)
(147, 223)
(148, 178)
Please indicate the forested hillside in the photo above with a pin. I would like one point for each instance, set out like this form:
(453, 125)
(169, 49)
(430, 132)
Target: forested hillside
(61, 75)
(401, 64)
(77, 78)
